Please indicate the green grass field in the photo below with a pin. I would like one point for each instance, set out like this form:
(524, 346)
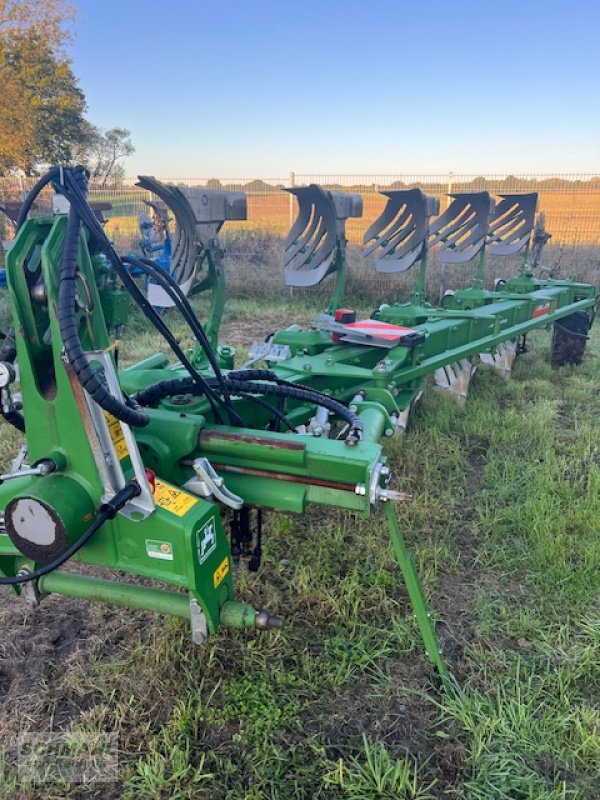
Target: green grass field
(341, 703)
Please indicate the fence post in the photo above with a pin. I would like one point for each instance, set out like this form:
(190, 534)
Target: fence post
(292, 184)
(442, 271)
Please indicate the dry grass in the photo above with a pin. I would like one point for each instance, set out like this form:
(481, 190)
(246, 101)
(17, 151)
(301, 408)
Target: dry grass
(341, 704)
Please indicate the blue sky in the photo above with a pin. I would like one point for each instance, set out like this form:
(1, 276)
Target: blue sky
(241, 89)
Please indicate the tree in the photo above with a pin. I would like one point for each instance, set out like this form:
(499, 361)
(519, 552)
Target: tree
(16, 124)
(105, 151)
(42, 107)
(41, 104)
(48, 18)
(52, 123)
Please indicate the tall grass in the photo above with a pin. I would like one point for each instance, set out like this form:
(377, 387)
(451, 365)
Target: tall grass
(341, 704)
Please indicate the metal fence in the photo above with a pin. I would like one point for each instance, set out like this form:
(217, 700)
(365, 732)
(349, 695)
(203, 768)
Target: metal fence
(571, 204)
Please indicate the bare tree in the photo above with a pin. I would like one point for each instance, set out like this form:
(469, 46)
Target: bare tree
(105, 153)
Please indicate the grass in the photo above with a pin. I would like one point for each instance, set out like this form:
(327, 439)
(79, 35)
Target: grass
(341, 703)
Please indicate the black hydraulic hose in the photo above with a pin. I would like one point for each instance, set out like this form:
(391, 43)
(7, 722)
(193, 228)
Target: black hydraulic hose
(269, 375)
(77, 198)
(90, 380)
(149, 311)
(184, 306)
(253, 375)
(8, 348)
(275, 412)
(265, 375)
(152, 394)
(99, 235)
(173, 290)
(105, 512)
(301, 393)
(16, 419)
(50, 176)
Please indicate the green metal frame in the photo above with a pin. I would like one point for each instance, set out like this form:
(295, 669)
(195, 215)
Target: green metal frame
(266, 469)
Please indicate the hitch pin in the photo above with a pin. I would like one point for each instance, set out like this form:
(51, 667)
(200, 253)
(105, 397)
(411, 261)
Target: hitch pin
(44, 467)
(383, 495)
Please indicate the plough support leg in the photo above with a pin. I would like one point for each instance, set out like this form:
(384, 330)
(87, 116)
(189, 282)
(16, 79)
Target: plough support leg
(417, 599)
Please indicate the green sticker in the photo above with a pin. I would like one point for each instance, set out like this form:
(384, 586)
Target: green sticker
(157, 549)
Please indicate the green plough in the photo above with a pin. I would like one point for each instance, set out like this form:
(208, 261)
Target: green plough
(142, 470)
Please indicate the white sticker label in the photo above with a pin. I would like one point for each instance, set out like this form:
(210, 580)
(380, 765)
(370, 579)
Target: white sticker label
(206, 540)
(158, 549)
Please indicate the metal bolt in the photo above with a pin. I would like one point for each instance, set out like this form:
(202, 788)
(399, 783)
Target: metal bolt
(265, 620)
(181, 399)
(198, 623)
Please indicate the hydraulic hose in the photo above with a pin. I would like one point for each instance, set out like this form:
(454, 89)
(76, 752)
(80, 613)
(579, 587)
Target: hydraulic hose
(157, 391)
(275, 412)
(8, 348)
(181, 302)
(50, 176)
(72, 183)
(89, 379)
(75, 195)
(301, 393)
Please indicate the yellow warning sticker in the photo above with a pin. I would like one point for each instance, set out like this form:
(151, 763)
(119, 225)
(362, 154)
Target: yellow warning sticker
(221, 571)
(116, 434)
(172, 499)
